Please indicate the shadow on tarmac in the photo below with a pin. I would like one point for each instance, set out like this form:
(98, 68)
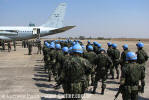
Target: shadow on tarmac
(41, 81)
(43, 98)
(142, 98)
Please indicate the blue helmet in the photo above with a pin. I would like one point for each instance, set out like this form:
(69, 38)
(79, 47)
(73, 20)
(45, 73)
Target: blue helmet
(125, 46)
(52, 43)
(70, 50)
(101, 49)
(95, 43)
(52, 46)
(47, 44)
(65, 49)
(109, 43)
(77, 48)
(99, 45)
(131, 56)
(90, 48)
(114, 45)
(73, 43)
(140, 45)
(83, 47)
(58, 46)
(89, 41)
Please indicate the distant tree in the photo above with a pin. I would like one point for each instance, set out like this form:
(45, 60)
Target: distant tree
(82, 38)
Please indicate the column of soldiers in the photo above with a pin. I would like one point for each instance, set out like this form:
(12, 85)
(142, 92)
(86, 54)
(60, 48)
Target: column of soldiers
(3, 43)
(76, 68)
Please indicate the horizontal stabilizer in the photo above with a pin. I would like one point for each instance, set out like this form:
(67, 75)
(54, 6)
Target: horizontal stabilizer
(63, 29)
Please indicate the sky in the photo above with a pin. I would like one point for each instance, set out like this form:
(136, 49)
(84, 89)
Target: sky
(93, 18)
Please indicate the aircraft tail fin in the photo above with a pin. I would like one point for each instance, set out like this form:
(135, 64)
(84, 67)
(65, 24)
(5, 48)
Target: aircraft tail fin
(57, 18)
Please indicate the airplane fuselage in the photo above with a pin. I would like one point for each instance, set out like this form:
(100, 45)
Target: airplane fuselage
(20, 33)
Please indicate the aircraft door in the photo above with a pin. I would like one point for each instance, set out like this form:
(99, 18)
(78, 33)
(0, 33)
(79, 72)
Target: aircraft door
(36, 31)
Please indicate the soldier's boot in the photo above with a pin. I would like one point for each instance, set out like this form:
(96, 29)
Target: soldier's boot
(102, 91)
(103, 88)
(94, 90)
(92, 80)
(117, 74)
(49, 77)
(112, 76)
(112, 73)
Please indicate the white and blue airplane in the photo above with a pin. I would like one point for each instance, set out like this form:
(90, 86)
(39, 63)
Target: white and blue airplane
(54, 25)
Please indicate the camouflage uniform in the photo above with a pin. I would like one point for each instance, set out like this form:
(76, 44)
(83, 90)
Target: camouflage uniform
(102, 61)
(57, 66)
(45, 53)
(9, 47)
(90, 56)
(95, 49)
(109, 51)
(142, 59)
(30, 48)
(129, 84)
(3, 45)
(51, 62)
(39, 47)
(123, 58)
(73, 76)
(115, 59)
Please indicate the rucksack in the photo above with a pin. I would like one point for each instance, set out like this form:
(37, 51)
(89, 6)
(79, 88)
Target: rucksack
(74, 69)
(142, 56)
(102, 61)
(134, 74)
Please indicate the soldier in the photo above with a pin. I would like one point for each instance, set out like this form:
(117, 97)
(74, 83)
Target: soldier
(141, 54)
(14, 45)
(123, 55)
(88, 43)
(51, 60)
(45, 53)
(115, 59)
(142, 57)
(95, 47)
(61, 61)
(98, 48)
(73, 76)
(131, 75)
(9, 47)
(3, 44)
(102, 61)
(109, 49)
(90, 56)
(57, 67)
(39, 46)
(29, 48)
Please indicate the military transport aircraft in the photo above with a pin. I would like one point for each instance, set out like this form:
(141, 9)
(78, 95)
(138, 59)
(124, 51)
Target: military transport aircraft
(54, 25)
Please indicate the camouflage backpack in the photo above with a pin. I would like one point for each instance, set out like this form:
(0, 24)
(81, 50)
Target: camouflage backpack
(142, 56)
(102, 61)
(133, 74)
(74, 69)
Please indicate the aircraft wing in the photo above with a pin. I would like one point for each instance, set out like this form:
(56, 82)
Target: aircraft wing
(4, 38)
(59, 30)
(8, 32)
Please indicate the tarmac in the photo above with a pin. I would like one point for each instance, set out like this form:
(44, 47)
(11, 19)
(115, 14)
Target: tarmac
(22, 77)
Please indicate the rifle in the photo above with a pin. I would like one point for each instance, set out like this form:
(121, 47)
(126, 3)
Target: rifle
(119, 91)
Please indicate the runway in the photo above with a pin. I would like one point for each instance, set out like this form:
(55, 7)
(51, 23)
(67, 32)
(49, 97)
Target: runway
(22, 77)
